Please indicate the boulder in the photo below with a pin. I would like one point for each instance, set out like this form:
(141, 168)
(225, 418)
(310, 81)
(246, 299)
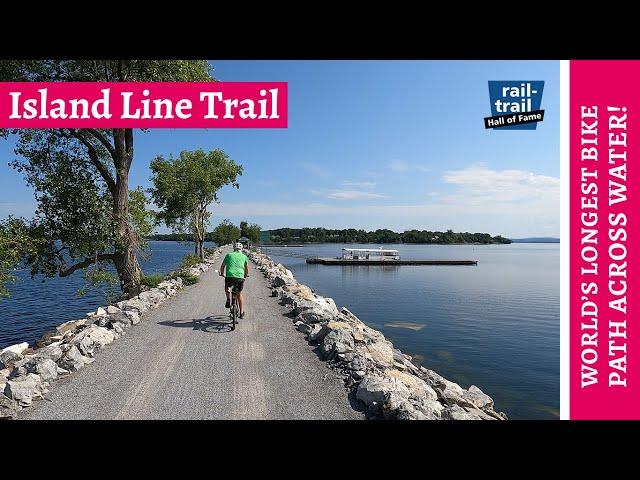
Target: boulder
(337, 341)
(47, 369)
(417, 387)
(315, 315)
(153, 296)
(135, 305)
(119, 317)
(478, 398)
(456, 412)
(317, 333)
(9, 358)
(50, 352)
(18, 348)
(281, 281)
(381, 353)
(25, 389)
(374, 390)
(303, 327)
(133, 316)
(73, 360)
(70, 326)
(111, 309)
(299, 290)
(100, 312)
(8, 407)
(92, 339)
(358, 363)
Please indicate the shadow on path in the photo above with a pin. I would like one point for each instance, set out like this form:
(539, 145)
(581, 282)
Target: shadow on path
(210, 324)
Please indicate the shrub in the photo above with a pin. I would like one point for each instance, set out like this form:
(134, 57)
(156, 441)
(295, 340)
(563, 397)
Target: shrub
(187, 278)
(152, 280)
(189, 260)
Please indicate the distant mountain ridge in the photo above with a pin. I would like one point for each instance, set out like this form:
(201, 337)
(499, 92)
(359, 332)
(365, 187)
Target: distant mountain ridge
(536, 240)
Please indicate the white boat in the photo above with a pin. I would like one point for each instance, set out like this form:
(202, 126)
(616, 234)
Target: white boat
(371, 254)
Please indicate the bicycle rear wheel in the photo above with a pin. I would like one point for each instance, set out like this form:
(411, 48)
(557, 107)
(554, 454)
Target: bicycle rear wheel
(234, 312)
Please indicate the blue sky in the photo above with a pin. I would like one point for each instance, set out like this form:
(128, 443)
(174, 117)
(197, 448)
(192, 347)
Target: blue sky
(374, 144)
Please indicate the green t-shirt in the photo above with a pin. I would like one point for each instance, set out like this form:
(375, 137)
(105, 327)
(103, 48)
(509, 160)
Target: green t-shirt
(234, 264)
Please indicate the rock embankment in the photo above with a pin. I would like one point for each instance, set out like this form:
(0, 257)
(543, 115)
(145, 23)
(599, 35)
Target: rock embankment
(385, 380)
(26, 373)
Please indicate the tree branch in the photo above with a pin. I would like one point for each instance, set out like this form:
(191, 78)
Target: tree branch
(103, 140)
(65, 272)
(93, 156)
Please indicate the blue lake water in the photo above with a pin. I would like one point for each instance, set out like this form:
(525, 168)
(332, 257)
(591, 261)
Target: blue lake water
(37, 306)
(495, 325)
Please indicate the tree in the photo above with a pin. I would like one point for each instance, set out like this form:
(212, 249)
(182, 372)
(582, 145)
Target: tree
(185, 187)
(15, 243)
(81, 176)
(251, 231)
(226, 233)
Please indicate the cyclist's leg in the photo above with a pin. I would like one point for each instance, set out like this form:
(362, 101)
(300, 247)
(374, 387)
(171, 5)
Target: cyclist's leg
(240, 296)
(227, 291)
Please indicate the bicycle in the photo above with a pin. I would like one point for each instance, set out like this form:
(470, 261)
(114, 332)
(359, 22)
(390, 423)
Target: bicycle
(234, 308)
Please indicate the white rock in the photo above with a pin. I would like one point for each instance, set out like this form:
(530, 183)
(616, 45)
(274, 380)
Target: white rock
(47, 369)
(73, 360)
(92, 339)
(133, 316)
(25, 389)
(375, 389)
(112, 309)
(17, 348)
(70, 326)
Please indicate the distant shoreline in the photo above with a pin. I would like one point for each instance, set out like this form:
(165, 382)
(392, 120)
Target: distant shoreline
(373, 243)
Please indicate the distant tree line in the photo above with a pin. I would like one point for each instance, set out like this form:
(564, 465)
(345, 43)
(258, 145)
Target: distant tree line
(225, 232)
(352, 235)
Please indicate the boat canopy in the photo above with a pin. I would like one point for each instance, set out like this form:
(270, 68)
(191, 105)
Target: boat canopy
(373, 250)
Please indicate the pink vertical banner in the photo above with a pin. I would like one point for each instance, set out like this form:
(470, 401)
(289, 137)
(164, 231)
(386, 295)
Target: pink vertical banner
(604, 244)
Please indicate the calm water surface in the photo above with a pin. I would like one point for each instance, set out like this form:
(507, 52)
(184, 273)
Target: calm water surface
(495, 325)
(37, 306)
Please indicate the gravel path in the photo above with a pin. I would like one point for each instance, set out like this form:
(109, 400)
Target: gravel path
(183, 362)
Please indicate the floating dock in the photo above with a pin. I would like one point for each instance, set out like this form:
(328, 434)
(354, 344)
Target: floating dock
(342, 261)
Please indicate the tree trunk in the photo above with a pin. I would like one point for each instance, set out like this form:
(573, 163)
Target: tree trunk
(124, 257)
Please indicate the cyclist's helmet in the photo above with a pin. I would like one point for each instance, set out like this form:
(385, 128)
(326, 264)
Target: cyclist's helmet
(237, 246)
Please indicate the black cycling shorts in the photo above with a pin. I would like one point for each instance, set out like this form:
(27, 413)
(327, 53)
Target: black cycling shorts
(237, 282)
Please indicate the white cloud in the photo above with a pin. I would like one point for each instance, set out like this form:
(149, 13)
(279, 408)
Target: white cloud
(353, 195)
(314, 169)
(349, 183)
(493, 189)
(402, 166)
(338, 194)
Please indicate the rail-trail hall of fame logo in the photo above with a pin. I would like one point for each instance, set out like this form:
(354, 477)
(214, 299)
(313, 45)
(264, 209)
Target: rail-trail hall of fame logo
(515, 104)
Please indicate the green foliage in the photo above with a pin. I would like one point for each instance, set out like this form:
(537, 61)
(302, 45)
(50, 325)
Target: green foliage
(152, 280)
(187, 278)
(98, 276)
(226, 233)
(351, 235)
(85, 213)
(184, 188)
(140, 217)
(189, 260)
(251, 231)
(15, 244)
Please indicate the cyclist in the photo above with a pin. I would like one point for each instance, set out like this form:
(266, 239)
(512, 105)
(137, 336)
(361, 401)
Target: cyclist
(234, 269)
